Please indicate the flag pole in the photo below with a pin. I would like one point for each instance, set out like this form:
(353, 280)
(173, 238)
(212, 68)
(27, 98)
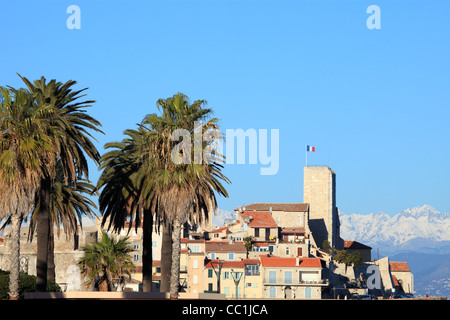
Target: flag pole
(306, 153)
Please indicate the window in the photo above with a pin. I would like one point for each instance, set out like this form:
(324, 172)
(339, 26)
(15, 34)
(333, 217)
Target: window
(252, 270)
(226, 275)
(195, 279)
(272, 292)
(195, 264)
(194, 248)
(272, 277)
(210, 287)
(267, 234)
(308, 292)
(153, 244)
(287, 251)
(231, 256)
(227, 291)
(256, 232)
(210, 273)
(136, 257)
(213, 255)
(299, 220)
(288, 277)
(136, 246)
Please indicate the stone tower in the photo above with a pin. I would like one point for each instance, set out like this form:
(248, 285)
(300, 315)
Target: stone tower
(319, 191)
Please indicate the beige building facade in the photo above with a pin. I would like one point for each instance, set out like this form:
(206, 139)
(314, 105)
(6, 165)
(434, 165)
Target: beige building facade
(292, 278)
(319, 191)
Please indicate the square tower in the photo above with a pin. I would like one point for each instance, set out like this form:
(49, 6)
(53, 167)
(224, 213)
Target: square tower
(319, 191)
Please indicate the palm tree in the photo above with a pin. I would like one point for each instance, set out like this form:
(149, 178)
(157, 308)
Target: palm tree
(124, 194)
(66, 125)
(68, 203)
(105, 260)
(184, 191)
(23, 144)
(140, 180)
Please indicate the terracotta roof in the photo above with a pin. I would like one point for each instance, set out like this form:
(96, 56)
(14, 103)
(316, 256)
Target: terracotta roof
(225, 247)
(292, 230)
(399, 266)
(303, 207)
(395, 281)
(259, 219)
(348, 244)
(251, 261)
(156, 263)
(274, 261)
(219, 229)
(196, 241)
(225, 264)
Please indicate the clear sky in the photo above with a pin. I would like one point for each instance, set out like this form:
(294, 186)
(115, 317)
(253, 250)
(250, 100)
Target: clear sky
(374, 102)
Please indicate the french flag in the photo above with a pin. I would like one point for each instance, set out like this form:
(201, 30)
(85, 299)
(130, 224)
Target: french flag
(310, 148)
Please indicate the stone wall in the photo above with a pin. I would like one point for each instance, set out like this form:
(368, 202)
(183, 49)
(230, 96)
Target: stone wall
(319, 191)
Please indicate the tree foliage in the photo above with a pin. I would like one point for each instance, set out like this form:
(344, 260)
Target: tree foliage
(348, 258)
(27, 284)
(106, 260)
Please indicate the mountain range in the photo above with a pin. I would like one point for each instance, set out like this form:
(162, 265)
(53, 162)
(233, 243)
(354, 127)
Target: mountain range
(421, 229)
(420, 236)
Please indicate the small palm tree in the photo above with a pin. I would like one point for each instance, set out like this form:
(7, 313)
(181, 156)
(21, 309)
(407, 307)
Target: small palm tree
(106, 260)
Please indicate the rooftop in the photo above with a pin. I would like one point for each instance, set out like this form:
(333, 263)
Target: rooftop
(274, 261)
(290, 230)
(259, 219)
(225, 247)
(399, 266)
(349, 244)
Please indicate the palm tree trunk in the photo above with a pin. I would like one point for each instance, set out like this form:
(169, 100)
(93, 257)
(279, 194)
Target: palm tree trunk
(147, 252)
(43, 231)
(166, 257)
(175, 271)
(16, 221)
(51, 258)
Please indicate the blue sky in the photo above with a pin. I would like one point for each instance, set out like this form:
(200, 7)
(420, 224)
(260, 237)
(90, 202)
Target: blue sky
(374, 103)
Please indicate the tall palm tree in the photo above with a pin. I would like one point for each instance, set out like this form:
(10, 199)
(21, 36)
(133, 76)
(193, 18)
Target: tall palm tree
(141, 177)
(66, 125)
(184, 190)
(124, 194)
(23, 145)
(102, 261)
(68, 204)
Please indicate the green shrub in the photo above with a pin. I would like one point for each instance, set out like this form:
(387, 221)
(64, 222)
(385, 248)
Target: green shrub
(27, 283)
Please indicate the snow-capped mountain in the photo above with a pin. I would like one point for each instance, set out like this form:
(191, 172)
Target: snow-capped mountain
(418, 229)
